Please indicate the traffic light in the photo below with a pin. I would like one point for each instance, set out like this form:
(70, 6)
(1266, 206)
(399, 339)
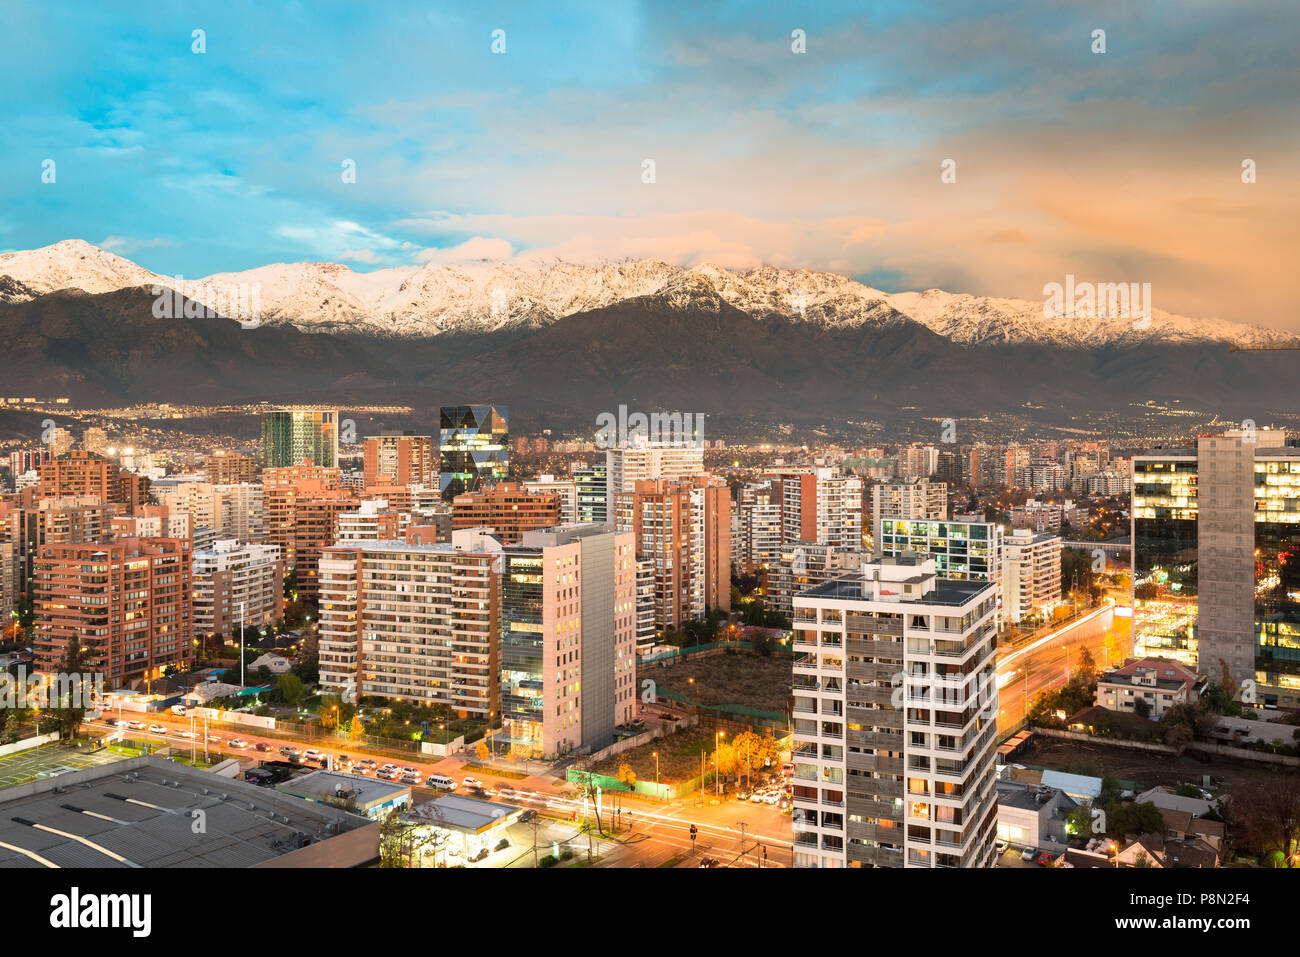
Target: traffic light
(694, 831)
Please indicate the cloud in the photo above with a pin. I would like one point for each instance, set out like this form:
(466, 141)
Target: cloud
(478, 249)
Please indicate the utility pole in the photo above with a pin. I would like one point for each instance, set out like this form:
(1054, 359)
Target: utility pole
(241, 645)
(742, 825)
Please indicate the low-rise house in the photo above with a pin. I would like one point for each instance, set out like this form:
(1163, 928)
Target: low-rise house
(1033, 816)
(276, 664)
(1150, 685)
(1166, 799)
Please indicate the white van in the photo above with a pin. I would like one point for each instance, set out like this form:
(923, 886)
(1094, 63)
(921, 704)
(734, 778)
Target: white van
(441, 782)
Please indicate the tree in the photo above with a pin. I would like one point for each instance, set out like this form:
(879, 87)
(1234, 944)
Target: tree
(1179, 737)
(12, 729)
(401, 841)
(1265, 816)
(1087, 670)
(1123, 819)
(290, 688)
(627, 775)
(481, 750)
(1079, 821)
(357, 728)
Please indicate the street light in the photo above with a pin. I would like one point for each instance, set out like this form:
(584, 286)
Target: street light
(656, 754)
(717, 767)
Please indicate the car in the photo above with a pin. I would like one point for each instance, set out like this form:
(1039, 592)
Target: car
(262, 746)
(178, 709)
(112, 722)
(1028, 854)
(1001, 847)
(136, 725)
(404, 770)
(361, 770)
(787, 770)
(237, 743)
(506, 791)
(771, 797)
(742, 795)
(386, 774)
(756, 797)
(410, 779)
(441, 782)
(471, 782)
(1045, 859)
(187, 734)
(157, 729)
(367, 763)
(313, 754)
(710, 862)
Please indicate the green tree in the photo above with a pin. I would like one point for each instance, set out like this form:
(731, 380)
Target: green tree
(291, 689)
(1124, 818)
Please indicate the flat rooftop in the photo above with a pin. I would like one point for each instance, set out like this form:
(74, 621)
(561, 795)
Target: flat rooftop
(140, 813)
(463, 813)
(947, 591)
(323, 785)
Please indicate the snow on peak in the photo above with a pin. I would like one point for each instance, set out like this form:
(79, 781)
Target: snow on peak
(435, 299)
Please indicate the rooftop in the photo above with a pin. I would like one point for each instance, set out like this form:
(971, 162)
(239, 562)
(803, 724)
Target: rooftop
(947, 591)
(141, 813)
(463, 813)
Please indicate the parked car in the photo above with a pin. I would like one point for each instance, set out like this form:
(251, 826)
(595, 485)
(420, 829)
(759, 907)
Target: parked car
(1001, 847)
(178, 709)
(410, 779)
(157, 729)
(237, 743)
(472, 782)
(441, 782)
(1028, 854)
(1045, 859)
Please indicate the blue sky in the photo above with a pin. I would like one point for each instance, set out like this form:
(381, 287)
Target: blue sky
(1119, 166)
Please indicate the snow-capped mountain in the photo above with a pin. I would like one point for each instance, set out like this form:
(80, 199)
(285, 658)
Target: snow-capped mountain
(436, 299)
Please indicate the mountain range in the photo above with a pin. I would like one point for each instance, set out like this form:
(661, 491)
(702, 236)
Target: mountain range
(567, 341)
(488, 297)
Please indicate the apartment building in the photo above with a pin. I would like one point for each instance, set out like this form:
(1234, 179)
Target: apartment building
(373, 520)
(568, 638)
(895, 720)
(398, 458)
(507, 508)
(81, 474)
(301, 508)
(236, 585)
(758, 514)
(923, 501)
(128, 602)
(565, 490)
(412, 621)
(235, 511)
(1031, 573)
(231, 468)
(805, 565)
(646, 462)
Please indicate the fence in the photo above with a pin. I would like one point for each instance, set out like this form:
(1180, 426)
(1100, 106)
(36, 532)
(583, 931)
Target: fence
(26, 744)
(711, 647)
(661, 792)
(645, 737)
(738, 713)
(1205, 747)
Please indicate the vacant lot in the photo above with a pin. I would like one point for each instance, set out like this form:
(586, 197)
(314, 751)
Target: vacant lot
(729, 678)
(679, 757)
(1146, 768)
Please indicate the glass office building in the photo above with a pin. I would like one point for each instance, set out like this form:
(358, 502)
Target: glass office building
(1216, 560)
(473, 448)
(1164, 557)
(592, 484)
(291, 435)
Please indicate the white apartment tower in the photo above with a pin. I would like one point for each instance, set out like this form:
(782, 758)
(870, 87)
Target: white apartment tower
(895, 720)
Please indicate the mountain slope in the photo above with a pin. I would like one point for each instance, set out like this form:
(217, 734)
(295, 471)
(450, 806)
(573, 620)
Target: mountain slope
(417, 302)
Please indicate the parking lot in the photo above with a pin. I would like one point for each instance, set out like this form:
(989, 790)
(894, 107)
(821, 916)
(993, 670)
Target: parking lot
(28, 765)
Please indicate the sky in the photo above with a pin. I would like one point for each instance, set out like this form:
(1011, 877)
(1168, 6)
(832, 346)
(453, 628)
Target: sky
(1117, 166)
